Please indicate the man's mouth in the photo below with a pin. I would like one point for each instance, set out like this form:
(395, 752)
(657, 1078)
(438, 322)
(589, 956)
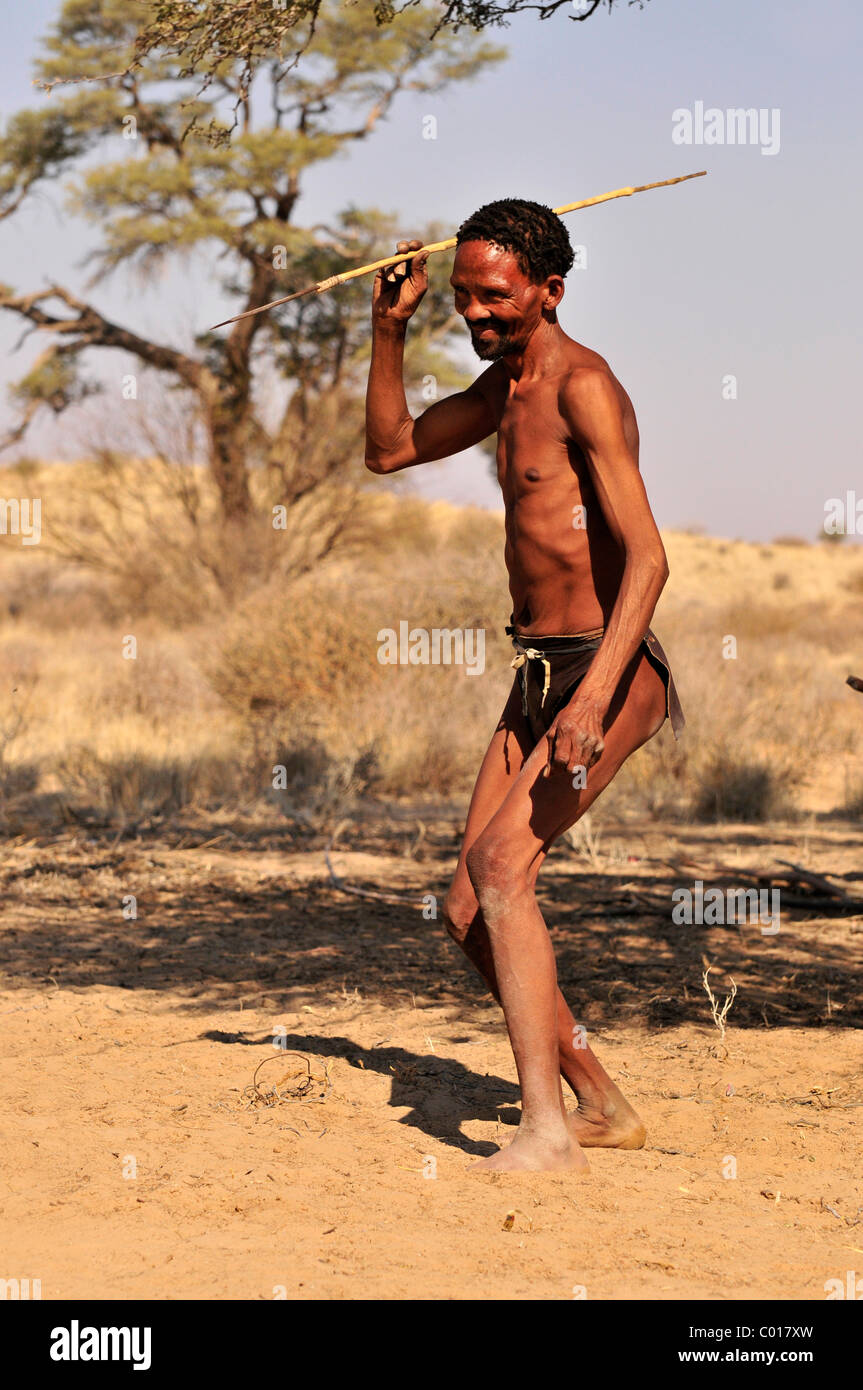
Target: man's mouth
(490, 342)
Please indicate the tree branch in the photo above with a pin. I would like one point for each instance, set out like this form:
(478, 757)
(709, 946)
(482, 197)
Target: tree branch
(94, 330)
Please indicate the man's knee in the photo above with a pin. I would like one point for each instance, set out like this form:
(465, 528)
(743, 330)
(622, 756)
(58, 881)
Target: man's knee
(459, 910)
(492, 868)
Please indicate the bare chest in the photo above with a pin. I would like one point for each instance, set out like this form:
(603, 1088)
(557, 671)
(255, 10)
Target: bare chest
(536, 456)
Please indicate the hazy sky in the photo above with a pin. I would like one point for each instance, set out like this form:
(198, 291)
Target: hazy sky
(751, 272)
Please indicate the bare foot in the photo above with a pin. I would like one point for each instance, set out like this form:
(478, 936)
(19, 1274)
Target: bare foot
(535, 1153)
(617, 1128)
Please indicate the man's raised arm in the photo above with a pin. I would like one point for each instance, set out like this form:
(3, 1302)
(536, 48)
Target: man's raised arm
(394, 440)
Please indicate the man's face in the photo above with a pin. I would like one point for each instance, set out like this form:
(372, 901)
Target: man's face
(499, 304)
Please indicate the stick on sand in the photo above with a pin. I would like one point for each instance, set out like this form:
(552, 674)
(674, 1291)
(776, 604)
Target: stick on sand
(447, 245)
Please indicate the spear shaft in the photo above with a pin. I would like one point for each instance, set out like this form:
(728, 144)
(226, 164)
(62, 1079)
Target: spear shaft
(321, 285)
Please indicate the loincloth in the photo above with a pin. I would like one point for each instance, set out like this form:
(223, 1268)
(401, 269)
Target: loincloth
(550, 669)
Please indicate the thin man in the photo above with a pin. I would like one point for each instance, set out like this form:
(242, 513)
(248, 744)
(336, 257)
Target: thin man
(592, 682)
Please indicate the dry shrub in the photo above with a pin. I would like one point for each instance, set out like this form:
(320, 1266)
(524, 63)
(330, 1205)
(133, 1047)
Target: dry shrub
(290, 666)
(159, 688)
(298, 656)
(734, 790)
(282, 668)
(129, 787)
(853, 806)
(37, 589)
(430, 735)
(21, 678)
(299, 669)
(152, 536)
(757, 621)
(761, 729)
(317, 780)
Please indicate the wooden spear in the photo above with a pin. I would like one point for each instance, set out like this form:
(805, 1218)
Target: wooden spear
(447, 245)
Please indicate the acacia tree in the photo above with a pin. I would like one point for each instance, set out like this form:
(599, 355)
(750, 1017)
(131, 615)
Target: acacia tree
(173, 192)
(203, 31)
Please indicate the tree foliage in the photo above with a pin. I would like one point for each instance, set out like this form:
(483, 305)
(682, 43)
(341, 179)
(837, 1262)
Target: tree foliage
(228, 193)
(206, 35)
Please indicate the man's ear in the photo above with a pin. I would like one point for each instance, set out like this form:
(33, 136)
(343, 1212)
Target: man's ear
(554, 291)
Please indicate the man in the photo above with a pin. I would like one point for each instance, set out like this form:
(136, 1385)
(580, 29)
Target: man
(586, 567)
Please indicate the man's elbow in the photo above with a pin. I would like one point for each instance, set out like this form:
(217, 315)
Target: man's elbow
(653, 564)
(388, 456)
(658, 561)
(378, 461)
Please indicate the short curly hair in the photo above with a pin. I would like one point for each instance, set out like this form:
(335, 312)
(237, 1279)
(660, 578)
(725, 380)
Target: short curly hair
(532, 232)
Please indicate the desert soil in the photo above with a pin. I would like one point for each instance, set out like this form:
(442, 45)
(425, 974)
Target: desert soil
(138, 1160)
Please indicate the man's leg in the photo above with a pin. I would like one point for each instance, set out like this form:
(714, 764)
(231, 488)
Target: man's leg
(604, 1116)
(502, 861)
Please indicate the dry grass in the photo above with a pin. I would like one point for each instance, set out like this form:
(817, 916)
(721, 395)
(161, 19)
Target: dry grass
(251, 662)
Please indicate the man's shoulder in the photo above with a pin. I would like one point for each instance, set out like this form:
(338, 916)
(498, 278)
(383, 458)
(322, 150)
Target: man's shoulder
(588, 384)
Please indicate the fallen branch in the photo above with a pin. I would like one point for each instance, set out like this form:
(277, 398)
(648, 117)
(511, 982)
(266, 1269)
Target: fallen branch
(816, 880)
(397, 899)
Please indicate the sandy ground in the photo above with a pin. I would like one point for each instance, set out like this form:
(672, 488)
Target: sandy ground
(137, 1163)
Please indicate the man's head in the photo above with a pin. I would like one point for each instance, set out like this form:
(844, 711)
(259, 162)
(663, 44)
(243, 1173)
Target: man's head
(508, 274)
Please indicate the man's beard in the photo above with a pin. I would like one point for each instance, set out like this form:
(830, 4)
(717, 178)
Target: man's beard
(493, 348)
